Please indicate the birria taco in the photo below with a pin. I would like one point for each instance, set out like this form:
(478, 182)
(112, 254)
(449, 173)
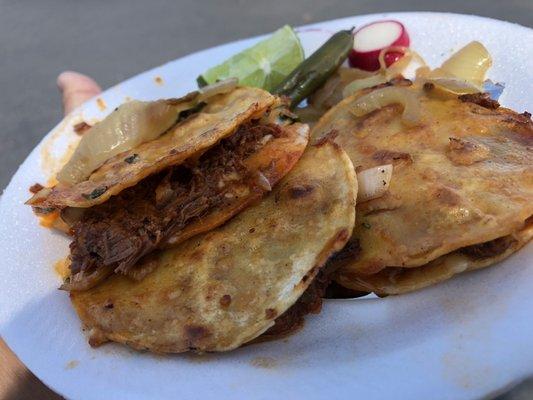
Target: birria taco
(460, 196)
(186, 166)
(254, 277)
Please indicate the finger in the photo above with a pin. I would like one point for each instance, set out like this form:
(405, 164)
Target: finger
(75, 89)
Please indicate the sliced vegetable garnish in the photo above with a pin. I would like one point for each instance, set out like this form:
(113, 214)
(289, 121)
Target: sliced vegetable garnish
(449, 87)
(263, 65)
(373, 182)
(380, 98)
(470, 64)
(463, 73)
(317, 68)
(95, 193)
(364, 83)
(371, 39)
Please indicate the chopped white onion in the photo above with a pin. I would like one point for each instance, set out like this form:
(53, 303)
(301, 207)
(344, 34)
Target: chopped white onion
(373, 182)
(363, 83)
(410, 60)
(390, 95)
(407, 65)
(396, 66)
(470, 63)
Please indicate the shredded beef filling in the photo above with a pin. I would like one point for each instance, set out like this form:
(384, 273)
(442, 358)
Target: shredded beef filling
(337, 291)
(488, 249)
(130, 225)
(310, 302)
(349, 252)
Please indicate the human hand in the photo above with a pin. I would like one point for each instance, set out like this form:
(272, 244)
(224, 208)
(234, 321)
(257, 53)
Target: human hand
(76, 88)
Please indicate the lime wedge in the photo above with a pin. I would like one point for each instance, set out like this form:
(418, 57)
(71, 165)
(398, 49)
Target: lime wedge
(263, 65)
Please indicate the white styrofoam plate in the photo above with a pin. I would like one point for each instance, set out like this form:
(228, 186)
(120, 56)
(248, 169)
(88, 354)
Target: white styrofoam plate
(463, 339)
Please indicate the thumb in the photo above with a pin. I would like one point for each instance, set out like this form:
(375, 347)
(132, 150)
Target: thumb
(75, 89)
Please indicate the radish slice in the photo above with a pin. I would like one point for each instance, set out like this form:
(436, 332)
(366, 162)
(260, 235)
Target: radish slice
(374, 37)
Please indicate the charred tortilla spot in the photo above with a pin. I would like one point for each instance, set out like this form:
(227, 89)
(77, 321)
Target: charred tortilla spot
(191, 111)
(481, 99)
(464, 152)
(342, 236)
(523, 121)
(197, 254)
(324, 207)
(95, 193)
(328, 137)
(96, 338)
(392, 157)
(252, 230)
(429, 86)
(132, 159)
(94, 342)
(380, 116)
(300, 191)
(225, 300)
(400, 81)
(270, 313)
(81, 127)
(447, 196)
(109, 305)
(36, 188)
(394, 82)
(309, 274)
(195, 332)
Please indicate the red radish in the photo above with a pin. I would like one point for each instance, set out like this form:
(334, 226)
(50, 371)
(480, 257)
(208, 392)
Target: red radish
(370, 39)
